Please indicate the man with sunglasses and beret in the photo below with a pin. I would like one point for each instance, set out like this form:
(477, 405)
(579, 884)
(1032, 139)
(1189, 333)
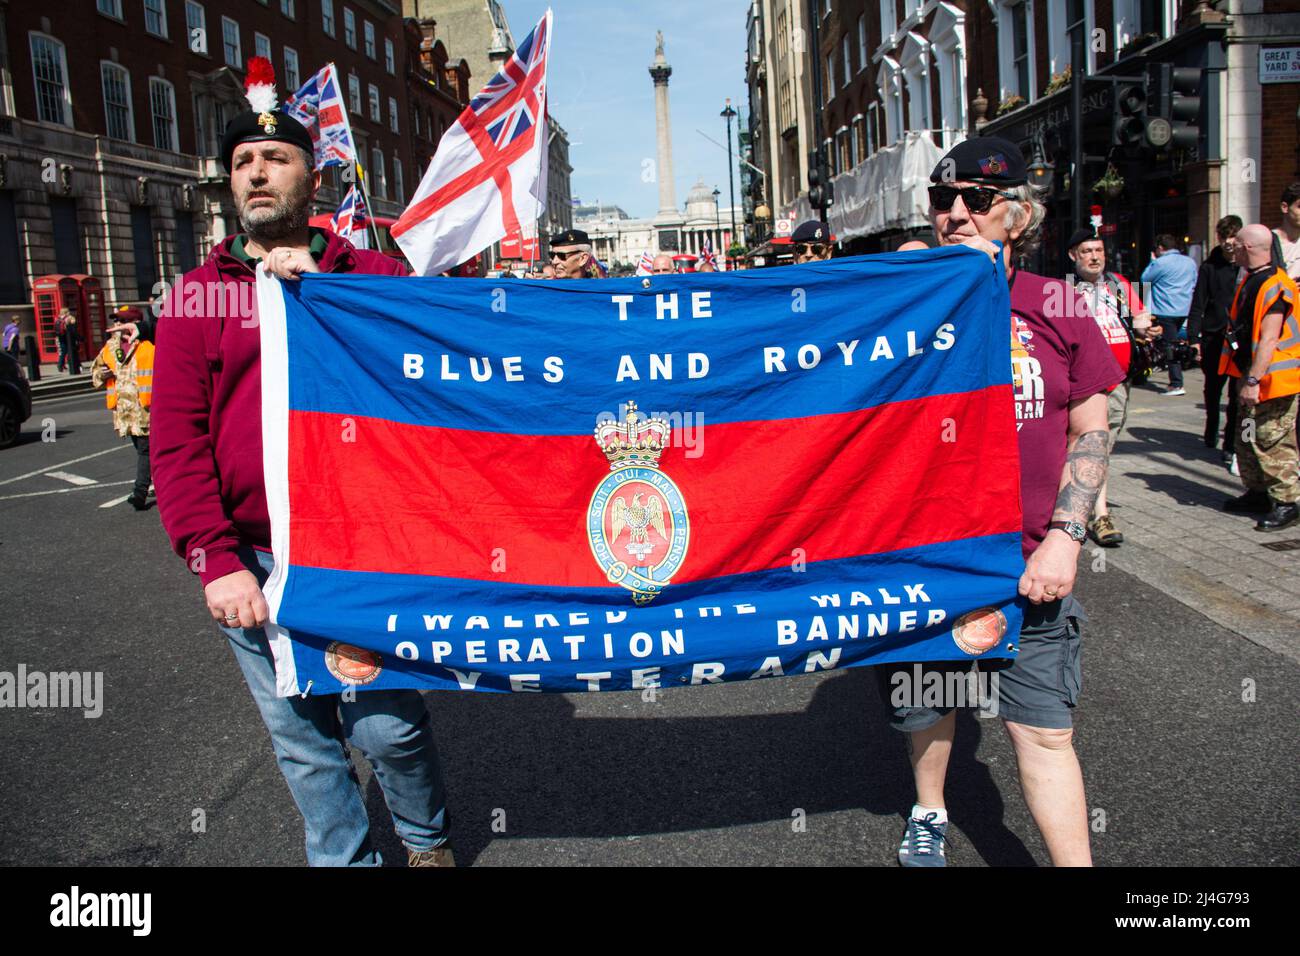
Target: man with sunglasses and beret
(812, 242)
(1062, 368)
(571, 255)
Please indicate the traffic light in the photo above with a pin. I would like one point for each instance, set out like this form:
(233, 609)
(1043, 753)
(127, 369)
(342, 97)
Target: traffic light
(1176, 105)
(821, 192)
(1130, 122)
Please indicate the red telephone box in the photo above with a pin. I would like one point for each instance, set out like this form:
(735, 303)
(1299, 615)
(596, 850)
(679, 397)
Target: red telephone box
(92, 318)
(84, 298)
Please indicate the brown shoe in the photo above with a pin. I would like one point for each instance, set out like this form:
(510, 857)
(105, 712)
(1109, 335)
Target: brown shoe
(438, 856)
(1103, 531)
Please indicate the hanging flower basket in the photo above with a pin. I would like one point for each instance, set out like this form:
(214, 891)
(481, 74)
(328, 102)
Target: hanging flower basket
(1111, 184)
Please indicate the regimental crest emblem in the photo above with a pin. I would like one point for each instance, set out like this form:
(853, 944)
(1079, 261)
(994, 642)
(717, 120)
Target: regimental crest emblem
(637, 524)
(266, 120)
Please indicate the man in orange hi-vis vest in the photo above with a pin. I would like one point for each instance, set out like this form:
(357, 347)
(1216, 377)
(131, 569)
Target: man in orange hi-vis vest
(125, 367)
(1263, 350)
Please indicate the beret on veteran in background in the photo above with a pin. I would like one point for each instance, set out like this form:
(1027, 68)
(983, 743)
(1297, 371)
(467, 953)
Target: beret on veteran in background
(264, 122)
(570, 237)
(1082, 234)
(982, 159)
(812, 231)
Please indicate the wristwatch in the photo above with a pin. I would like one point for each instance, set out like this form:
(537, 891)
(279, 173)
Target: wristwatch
(1251, 380)
(1075, 530)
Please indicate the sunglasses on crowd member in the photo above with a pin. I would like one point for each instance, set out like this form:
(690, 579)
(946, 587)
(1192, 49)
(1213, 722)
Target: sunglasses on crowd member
(978, 199)
(557, 254)
(804, 248)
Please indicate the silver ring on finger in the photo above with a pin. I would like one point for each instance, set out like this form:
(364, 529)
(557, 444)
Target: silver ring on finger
(232, 616)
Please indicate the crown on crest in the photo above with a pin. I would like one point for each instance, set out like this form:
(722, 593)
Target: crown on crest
(636, 440)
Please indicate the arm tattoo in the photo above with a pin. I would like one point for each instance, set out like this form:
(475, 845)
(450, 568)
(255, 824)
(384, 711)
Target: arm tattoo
(1085, 473)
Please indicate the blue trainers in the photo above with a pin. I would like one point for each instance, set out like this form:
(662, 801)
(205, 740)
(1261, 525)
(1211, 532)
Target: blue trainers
(924, 842)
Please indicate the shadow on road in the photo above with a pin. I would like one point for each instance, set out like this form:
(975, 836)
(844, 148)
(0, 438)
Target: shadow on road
(558, 775)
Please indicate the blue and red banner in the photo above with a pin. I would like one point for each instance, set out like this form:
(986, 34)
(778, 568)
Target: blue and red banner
(602, 485)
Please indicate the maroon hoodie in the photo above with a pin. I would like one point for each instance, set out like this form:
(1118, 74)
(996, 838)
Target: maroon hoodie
(206, 441)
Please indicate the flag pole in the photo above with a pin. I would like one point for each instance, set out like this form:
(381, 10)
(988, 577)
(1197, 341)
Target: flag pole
(356, 160)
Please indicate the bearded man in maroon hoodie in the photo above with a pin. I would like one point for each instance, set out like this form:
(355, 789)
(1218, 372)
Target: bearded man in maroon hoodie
(207, 460)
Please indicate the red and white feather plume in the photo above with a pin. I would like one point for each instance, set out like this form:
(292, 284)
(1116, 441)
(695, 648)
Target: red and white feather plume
(259, 85)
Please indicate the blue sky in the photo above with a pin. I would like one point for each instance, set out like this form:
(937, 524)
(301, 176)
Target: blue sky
(601, 92)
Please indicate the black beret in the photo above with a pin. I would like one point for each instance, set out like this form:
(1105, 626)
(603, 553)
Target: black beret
(983, 159)
(570, 237)
(276, 126)
(811, 231)
(1082, 234)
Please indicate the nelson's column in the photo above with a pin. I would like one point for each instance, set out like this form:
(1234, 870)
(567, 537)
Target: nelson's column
(659, 72)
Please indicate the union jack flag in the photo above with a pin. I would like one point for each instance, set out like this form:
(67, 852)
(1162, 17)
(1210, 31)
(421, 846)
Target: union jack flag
(319, 106)
(350, 216)
(647, 264)
(706, 254)
(488, 178)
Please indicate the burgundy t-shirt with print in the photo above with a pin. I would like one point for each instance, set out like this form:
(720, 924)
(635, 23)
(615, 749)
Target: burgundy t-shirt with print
(1054, 361)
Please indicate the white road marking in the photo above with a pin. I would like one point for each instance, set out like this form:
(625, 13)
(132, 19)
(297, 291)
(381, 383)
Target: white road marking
(41, 471)
(71, 478)
(116, 501)
(64, 491)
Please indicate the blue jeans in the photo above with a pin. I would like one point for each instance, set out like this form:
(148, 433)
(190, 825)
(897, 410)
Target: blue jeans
(390, 727)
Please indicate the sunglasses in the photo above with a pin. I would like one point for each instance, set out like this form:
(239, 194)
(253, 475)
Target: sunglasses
(803, 248)
(978, 199)
(556, 254)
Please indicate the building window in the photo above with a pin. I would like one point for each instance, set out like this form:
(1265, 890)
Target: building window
(146, 269)
(392, 114)
(349, 28)
(162, 104)
(848, 63)
(370, 39)
(399, 187)
(262, 45)
(196, 26)
(286, 7)
(863, 53)
(948, 39)
(110, 8)
(374, 103)
(291, 78)
(888, 19)
(1020, 64)
(354, 94)
(377, 178)
(155, 18)
(829, 92)
(118, 120)
(50, 71)
(390, 62)
(230, 42)
(327, 17)
(1060, 15)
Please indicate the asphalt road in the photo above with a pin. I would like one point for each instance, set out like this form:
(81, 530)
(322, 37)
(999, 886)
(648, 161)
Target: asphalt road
(1179, 769)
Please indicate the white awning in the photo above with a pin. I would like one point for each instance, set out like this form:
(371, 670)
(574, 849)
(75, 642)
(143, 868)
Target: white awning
(887, 190)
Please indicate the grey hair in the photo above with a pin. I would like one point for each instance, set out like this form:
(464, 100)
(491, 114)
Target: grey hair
(1031, 219)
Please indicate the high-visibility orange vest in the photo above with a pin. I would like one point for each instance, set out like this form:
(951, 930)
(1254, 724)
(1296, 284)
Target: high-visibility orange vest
(1283, 375)
(142, 358)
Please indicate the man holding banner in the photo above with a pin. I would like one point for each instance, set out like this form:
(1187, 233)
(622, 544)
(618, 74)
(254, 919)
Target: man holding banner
(1062, 369)
(208, 462)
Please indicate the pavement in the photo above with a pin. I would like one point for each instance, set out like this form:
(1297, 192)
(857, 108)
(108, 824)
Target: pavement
(1166, 493)
(1186, 728)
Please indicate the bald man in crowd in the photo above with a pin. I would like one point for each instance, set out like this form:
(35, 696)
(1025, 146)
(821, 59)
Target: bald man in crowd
(1263, 351)
(663, 265)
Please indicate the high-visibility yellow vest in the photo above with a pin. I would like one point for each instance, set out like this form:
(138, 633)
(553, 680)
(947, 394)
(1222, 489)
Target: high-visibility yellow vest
(1283, 375)
(141, 358)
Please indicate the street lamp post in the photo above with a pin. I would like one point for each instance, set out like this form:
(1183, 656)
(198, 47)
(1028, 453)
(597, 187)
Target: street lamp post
(728, 114)
(717, 215)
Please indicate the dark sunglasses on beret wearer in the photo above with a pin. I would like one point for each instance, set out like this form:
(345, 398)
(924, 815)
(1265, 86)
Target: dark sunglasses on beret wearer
(557, 254)
(978, 199)
(803, 248)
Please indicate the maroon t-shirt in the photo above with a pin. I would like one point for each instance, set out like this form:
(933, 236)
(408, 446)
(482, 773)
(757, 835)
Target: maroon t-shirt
(1054, 361)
